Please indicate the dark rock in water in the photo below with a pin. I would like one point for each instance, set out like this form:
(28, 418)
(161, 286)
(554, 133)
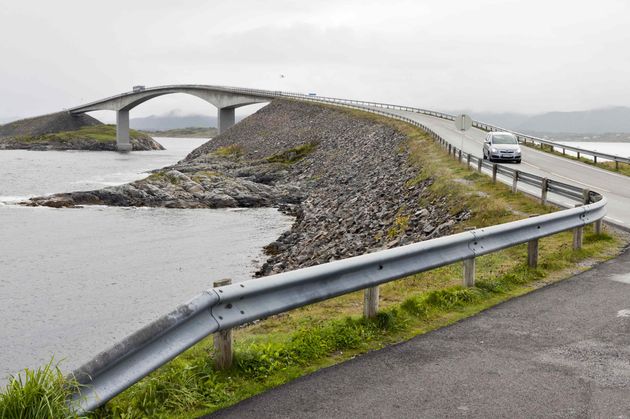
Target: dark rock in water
(347, 180)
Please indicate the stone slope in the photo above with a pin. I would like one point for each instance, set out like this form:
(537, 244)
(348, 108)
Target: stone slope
(346, 179)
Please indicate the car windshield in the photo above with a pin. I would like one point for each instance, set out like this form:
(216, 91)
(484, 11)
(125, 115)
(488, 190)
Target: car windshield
(504, 139)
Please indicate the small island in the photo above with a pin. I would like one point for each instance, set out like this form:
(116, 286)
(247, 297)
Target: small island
(63, 131)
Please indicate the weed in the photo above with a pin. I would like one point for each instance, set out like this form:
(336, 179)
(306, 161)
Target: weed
(293, 155)
(36, 394)
(233, 150)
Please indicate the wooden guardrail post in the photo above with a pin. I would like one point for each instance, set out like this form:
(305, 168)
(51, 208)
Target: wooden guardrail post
(544, 188)
(617, 165)
(479, 164)
(494, 173)
(578, 155)
(578, 233)
(595, 160)
(370, 302)
(469, 272)
(223, 340)
(532, 250)
(468, 161)
(532, 253)
(459, 156)
(515, 181)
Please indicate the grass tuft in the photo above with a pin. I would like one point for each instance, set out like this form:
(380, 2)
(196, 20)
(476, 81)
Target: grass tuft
(36, 394)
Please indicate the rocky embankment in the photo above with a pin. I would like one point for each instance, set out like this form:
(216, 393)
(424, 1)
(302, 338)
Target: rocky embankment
(347, 180)
(63, 131)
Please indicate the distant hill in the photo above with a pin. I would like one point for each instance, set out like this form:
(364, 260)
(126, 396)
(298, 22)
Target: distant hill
(189, 132)
(595, 121)
(171, 121)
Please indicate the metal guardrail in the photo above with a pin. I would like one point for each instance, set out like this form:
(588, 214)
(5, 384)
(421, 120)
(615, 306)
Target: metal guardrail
(222, 308)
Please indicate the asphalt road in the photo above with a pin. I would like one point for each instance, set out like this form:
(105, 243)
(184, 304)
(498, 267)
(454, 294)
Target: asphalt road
(562, 351)
(614, 186)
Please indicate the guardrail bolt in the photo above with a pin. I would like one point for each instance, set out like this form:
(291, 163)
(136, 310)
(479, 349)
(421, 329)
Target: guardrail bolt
(495, 167)
(223, 340)
(370, 302)
(544, 188)
(469, 272)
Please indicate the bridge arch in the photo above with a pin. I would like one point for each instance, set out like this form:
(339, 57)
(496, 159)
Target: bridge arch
(226, 100)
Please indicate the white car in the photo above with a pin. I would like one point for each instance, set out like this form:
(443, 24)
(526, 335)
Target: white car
(501, 146)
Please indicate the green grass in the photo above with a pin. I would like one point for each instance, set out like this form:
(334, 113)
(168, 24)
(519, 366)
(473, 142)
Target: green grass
(293, 155)
(233, 150)
(98, 133)
(283, 347)
(36, 394)
(623, 169)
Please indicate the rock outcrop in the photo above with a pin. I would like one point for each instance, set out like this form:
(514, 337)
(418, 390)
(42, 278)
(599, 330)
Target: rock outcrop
(347, 180)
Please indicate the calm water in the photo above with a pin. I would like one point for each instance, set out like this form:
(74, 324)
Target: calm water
(75, 281)
(619, 149)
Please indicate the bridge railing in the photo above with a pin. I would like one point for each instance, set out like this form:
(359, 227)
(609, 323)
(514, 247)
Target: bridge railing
(222, 308)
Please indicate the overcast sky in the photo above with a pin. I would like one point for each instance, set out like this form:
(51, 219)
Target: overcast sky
(482, 55)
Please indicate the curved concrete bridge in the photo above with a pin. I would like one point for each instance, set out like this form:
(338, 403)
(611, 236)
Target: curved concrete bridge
(225, 99)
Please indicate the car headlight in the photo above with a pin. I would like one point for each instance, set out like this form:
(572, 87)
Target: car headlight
(494, 150)
(518, 150)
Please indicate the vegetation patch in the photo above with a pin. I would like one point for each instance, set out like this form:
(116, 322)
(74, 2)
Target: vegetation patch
(41, 393)
(233, 150)
(164, 177)
(97, 133)
(293, 155)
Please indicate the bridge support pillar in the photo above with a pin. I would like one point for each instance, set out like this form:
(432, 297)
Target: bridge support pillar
(123, 143)
(226, 119)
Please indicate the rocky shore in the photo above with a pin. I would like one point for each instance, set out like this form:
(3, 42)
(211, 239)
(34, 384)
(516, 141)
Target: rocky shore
(347, 180)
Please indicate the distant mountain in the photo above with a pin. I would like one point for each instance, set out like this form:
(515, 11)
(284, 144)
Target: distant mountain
(175, 121)
(595, 121)
(172, 121)
(504, 120)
